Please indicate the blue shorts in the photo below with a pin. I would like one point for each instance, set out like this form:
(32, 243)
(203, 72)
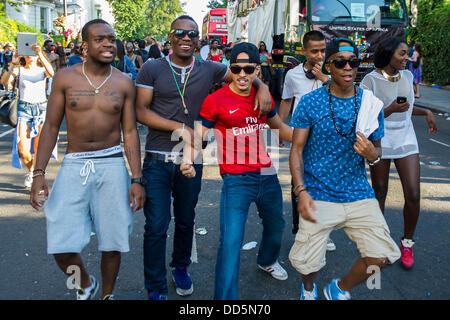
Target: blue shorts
(30, 112)
(87, 193)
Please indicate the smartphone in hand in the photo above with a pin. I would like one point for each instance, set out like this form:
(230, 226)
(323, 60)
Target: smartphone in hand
(401, 100)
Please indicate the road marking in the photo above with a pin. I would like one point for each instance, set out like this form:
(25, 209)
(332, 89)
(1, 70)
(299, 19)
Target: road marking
(444, 144)
(6, 133)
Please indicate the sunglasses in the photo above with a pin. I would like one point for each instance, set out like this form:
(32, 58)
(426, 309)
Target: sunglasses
(341, 63)
(247, 69)
(181, 33)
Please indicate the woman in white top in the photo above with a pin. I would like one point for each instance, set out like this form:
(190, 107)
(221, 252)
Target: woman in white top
(391, 83)
(32, 72)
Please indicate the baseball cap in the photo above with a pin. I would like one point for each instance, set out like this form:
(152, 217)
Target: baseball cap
(249, 49)
(334, 46)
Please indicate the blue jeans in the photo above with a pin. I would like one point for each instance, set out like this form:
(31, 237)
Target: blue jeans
(238, 192)
(163, 181)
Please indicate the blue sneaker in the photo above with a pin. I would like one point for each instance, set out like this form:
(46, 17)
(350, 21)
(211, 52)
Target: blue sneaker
(182, 281)
(309, 295)
(154, 295)
(333, 292)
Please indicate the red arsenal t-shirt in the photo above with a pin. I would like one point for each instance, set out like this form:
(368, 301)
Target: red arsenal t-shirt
(238, 130)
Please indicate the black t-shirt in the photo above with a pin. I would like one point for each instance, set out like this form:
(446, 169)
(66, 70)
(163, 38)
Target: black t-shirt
(157, 76)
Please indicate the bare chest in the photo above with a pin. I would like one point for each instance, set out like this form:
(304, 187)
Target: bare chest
(85, 98)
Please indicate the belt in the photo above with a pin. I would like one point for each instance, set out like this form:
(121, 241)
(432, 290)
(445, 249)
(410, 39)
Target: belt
(163, 157)
(33, 103)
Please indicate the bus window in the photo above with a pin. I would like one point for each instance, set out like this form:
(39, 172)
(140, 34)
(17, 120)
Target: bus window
(216, 19)
(355, 11)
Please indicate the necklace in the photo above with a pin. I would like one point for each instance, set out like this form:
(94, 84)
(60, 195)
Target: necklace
(334, 119)
(186, 112)
(97, 90)
(393, 78)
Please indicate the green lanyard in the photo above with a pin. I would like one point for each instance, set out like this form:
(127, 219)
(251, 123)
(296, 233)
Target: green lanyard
(186, 112)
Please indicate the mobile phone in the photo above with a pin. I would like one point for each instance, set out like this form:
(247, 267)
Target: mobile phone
(401, 99)
(24, 42)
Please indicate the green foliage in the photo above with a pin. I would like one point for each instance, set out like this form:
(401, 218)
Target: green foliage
(159, 16)
(14, 3)
(432, 32)
(141, 18)
(130, 18)
(9, 29)
(214, 4)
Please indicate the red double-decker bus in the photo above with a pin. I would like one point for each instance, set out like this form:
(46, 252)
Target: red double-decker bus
(215, 25)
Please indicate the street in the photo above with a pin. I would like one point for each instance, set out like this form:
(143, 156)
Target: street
(27, 272)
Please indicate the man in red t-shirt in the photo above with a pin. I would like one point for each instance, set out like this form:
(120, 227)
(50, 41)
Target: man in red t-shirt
(246, 170)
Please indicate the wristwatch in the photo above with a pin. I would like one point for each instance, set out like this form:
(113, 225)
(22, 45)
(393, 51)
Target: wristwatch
(141, 180)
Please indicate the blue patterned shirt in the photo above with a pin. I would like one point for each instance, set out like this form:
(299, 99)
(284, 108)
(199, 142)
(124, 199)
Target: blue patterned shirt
(333, 171)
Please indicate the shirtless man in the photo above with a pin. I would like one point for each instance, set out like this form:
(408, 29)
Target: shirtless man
(52, 57)
(93, 185)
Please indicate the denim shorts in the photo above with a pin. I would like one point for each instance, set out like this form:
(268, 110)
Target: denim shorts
(31, 112)
(89, 193)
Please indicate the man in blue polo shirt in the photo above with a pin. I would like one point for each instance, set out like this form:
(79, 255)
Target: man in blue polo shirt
(328, 170)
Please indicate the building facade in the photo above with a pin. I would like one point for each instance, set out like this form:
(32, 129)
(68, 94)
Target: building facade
(41, 13)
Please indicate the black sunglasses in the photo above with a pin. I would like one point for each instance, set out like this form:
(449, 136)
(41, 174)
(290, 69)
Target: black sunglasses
(181, 33)
(341, 63)
(247, 69)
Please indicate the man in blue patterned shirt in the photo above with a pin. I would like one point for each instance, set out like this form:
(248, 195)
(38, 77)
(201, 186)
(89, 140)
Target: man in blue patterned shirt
(328, 170)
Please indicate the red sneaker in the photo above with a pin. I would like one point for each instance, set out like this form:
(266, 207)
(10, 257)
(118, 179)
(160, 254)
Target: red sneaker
(407, 253)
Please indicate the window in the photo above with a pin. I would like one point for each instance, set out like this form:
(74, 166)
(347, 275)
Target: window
(44, 20)
(342, 11)
(216, 18)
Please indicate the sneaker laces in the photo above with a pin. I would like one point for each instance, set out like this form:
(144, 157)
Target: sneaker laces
(309, 295)
(86, 170)
(407, 243)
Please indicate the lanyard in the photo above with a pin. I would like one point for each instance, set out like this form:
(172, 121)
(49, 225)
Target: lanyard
(186, 112)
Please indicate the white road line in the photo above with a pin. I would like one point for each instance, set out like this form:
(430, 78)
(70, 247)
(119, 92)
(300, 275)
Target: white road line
(444, 144)
(6, 133)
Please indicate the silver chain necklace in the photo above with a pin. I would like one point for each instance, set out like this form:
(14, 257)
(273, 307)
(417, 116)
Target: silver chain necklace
(97, 90)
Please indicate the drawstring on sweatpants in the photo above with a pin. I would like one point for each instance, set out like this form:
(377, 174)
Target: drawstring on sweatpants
(86, 170)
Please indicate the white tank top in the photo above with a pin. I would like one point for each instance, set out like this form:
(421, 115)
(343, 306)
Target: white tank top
(32, 84)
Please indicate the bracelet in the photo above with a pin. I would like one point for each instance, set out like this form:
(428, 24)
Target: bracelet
(298, 195)
(41, 174)
(374, 162)
(39, 170)
(296, 187)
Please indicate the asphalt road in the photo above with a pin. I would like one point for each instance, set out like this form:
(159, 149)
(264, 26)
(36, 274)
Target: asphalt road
(27, 272)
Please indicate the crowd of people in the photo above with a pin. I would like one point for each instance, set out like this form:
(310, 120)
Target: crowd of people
(336, 128)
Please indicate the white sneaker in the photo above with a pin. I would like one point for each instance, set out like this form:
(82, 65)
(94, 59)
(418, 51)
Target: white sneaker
(330, 245)
(276, 271)
(28, 180)
(88, 293)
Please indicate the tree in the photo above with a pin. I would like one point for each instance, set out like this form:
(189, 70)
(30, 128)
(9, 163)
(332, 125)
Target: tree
(432, 32)
(159, 15)
(14, 3)
(214, 4)
(130, 18)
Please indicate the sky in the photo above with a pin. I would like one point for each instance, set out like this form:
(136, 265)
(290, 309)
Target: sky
(196, 9)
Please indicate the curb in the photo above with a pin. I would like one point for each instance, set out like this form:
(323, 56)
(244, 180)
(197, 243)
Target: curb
(435, 109)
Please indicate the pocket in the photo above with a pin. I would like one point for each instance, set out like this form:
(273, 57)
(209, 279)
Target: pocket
(298, 253)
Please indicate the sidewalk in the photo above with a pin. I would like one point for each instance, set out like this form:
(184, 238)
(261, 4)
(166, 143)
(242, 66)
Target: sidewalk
(437, 100)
